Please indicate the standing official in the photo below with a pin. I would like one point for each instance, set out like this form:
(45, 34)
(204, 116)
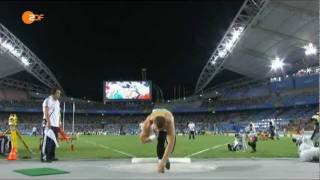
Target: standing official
(271, 130)
(52, 116)
(192, 130)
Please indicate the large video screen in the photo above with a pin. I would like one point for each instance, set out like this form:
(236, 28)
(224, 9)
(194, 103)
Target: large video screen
(127, 90)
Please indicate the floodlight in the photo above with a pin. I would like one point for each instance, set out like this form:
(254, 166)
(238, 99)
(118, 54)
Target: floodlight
(277, 64)
(214, 60)
(25, 61)
(222, 53)
(310, 49)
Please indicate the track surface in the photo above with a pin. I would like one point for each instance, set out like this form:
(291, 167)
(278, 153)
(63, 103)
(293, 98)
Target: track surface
(198, 169)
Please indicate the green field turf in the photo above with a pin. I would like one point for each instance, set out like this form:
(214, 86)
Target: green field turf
(105, 147)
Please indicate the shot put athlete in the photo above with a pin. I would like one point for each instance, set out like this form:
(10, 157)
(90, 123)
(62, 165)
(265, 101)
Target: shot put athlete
(160, 124)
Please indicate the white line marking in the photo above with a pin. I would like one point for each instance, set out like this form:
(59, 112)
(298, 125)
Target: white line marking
(110, 148)
(205, 150)
(155, 160)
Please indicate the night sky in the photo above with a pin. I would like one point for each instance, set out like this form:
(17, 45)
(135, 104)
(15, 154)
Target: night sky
(85, 43)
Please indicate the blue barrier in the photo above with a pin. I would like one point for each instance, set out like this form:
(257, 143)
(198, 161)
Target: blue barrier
(307, 81)
(285, 84)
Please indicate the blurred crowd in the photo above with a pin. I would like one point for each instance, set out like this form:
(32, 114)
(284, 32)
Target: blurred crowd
(210, 122)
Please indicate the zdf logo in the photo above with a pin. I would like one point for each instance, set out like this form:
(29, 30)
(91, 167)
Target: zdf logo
(28, 17)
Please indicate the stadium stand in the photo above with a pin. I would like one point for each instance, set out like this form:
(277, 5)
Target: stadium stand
(284, 99)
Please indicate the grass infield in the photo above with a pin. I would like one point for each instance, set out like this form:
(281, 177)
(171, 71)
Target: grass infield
(106, 147)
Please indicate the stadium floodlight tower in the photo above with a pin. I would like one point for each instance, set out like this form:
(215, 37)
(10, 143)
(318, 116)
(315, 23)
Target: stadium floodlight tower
(11, 46)
(244, 18)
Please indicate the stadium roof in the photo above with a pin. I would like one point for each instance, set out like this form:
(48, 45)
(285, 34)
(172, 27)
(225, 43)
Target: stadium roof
(264, 30)
(16, 57)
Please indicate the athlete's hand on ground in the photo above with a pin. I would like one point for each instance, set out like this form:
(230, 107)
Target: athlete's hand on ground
(161, 167)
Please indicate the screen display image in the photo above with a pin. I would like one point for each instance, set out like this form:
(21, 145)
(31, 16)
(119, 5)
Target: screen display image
(127, 90)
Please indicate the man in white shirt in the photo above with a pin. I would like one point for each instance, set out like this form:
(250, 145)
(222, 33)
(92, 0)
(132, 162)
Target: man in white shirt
(192, 129)
(51, 114)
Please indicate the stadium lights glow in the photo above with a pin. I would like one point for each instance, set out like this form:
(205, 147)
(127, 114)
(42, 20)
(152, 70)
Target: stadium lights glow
(25, 61)
(222, 53)
(15, 52)
(308, 70)
(235, 34)
(214, 60)
(310, 49)
(234, 38)
(8, 46)
(277, 64)
(228, 45)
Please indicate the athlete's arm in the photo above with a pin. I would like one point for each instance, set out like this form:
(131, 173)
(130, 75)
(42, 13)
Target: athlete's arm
(170, 138)
(145, 131)
(169, 148)
(46, 115)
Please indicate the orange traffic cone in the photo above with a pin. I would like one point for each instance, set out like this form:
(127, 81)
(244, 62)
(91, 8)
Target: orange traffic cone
(13, 154)
(63, 135)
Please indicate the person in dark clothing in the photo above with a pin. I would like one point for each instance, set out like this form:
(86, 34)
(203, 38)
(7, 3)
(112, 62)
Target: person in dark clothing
(252, 138)
(315, 135)
(271, 130)
(5, 144)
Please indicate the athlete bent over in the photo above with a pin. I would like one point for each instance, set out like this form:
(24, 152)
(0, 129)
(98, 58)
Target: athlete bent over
(160, 123)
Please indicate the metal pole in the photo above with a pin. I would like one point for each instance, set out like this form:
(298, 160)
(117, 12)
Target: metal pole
(144, 74)
(179, 91)
(73, 110)
(63, 115)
